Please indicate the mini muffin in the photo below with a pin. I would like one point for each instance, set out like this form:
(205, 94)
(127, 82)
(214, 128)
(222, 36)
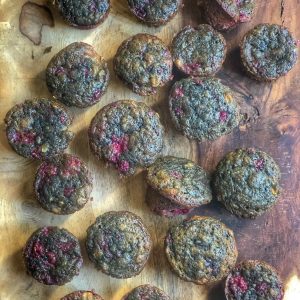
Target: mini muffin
(217, 17)
(63, 185)
(199, 51)
(253, 279)
(230, 7)
(143, 63)
(83, 14)
(38, 128)
(246, 181)
(77, 75)
(119, 244)
(163, 206)
(146, 292)
(155, 12)
(184, 184)
(82, 295)
(126, 134)
(268, 52)
(246, 10)
(201, 249)
(203, 109)
(52, 256)
(225, 15)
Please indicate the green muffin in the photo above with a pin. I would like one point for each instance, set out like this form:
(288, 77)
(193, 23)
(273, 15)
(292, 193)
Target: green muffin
(63, 185)
(155, 12)
(247, 182)
(201, 250)
(38, 128)
(82, 295)
(268, 51)
(143, 63)
(182, 183)
(253, 279)
(146, 292)
(225, 15)
(199, 51)
(118, 244)
(203, 109)
(77, 75)
(52, 255)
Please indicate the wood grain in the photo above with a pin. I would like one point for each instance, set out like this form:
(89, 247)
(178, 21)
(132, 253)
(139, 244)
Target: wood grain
(272, 122)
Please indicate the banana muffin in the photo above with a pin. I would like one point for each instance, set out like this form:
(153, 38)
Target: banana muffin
(182, 183)
(77, 75)
(82, 295)
(38, 128)
(203, 109)
(199, 51)
(268, 52)
(225, 15)
(119, 244)
(146, 292)
(83, 14)
(201, 250)
(155, 12)
(126, 134)
(63, 185)
(143, 63)
(253, 279)
(52, 256)
(247, 182)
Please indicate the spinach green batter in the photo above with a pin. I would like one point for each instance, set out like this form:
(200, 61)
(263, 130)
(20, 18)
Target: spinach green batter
(127, 134)
(180, 180)
(82, 295)
(154, 12)
(246, 181)
(201, 250)
(119, 244)
(38, 128)
(63, 185)
(146, 292)
(203, 109)
(77, 75)
(84, 14)
(52, 256)
(268, 51)
(254, 280)
(143, 63)
(199, 51)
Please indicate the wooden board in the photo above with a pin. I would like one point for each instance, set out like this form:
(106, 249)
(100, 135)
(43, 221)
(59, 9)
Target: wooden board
(273, 122)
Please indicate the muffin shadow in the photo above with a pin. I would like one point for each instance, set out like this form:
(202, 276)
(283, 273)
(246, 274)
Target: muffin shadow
(216, 292)
(120, 7)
